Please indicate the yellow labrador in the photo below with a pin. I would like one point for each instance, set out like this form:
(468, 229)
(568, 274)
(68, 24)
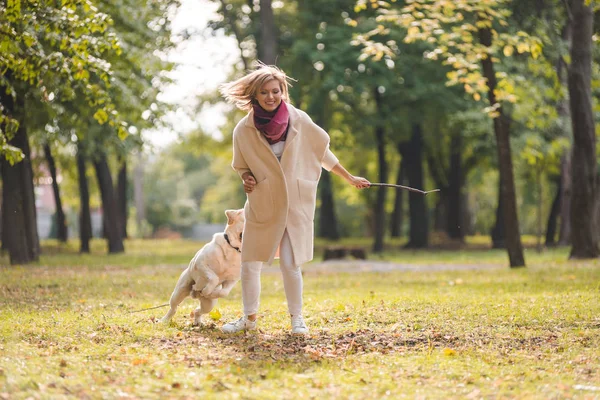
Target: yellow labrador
(213, 271)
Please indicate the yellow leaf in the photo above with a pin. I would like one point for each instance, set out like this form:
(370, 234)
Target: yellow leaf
(536, 50)
(522, 47)
(101, 116)
(122, 132)
(359, 7)
(215, 314)
(476, 96)
(508, 50)
(13, 10)
(449, 352)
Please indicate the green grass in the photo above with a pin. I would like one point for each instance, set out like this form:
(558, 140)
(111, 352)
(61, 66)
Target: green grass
(153, 252)
(66, 330)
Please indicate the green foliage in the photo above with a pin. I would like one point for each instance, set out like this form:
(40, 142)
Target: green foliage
(191, 182)
(68, 61)
(453, 29)
(341, 55)
(543, 156)
(55, 51)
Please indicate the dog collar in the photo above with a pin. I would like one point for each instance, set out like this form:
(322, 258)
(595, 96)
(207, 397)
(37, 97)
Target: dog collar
(229, 243)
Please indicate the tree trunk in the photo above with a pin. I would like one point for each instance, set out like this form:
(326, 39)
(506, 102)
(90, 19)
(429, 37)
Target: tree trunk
(85, 216)
(413, 152)
(18, 201)
(584, 165)
(268, 37)
(122, 197)
(328, 226)
(564, 236)
(109, 206)
(539, 191)
(138, 194)
(62, 232)
(440, 212)
(454, 210)
(553, 217)
(396, 219)
(564, 114)
(498, 234)
(379, 228)
(467, 217)
(105, 225)
(501, 129)
(328, 221)
(3, 228)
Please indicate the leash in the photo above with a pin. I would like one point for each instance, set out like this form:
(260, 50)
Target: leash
(146, 309)
(423, 192)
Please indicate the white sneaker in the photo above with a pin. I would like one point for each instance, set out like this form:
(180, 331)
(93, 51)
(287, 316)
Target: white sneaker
(298, 325)
(242, 324)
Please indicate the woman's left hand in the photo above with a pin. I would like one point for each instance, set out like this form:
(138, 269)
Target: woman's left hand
(359, 182)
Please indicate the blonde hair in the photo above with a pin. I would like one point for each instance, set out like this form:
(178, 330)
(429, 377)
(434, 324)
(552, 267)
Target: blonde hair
(242, 92)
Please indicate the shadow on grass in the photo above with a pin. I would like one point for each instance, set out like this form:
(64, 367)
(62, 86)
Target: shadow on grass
(290, 350)
(296, 351)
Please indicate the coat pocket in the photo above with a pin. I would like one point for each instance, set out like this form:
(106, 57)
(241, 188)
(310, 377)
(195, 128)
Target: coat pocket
(308, 197)
(261, 202)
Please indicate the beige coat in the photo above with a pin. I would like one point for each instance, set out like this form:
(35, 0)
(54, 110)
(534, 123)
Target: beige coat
(285, 193)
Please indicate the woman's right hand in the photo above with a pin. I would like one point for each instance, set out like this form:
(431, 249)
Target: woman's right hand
(249, 182)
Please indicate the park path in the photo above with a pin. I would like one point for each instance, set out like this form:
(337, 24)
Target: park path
(354, 266)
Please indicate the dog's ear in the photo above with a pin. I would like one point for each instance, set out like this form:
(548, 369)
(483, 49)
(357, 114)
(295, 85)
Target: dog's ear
(230, 216)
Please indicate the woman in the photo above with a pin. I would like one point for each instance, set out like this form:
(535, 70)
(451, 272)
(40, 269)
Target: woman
(278, 152)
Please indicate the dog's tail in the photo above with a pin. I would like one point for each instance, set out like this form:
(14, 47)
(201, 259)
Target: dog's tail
(146, 309)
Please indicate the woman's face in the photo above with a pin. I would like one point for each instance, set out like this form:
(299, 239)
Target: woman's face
(269, 95)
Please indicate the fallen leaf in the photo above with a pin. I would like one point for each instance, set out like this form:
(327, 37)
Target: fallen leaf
(215, 314)
(449, 352)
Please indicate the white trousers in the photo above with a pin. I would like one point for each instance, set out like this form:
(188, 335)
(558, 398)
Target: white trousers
(292, 280)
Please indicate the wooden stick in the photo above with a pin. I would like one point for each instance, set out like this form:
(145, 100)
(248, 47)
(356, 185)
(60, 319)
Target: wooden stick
(423, 192)
(146, 309)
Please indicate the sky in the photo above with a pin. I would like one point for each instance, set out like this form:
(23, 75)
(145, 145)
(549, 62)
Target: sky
(204, 61)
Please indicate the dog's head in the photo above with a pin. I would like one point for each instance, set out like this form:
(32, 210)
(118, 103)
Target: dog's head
(235, 226)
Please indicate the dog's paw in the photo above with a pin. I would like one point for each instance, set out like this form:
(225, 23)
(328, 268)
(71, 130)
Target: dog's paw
(196, 316)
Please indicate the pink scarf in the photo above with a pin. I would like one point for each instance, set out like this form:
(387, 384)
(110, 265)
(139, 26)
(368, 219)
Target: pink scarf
(272, 124)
